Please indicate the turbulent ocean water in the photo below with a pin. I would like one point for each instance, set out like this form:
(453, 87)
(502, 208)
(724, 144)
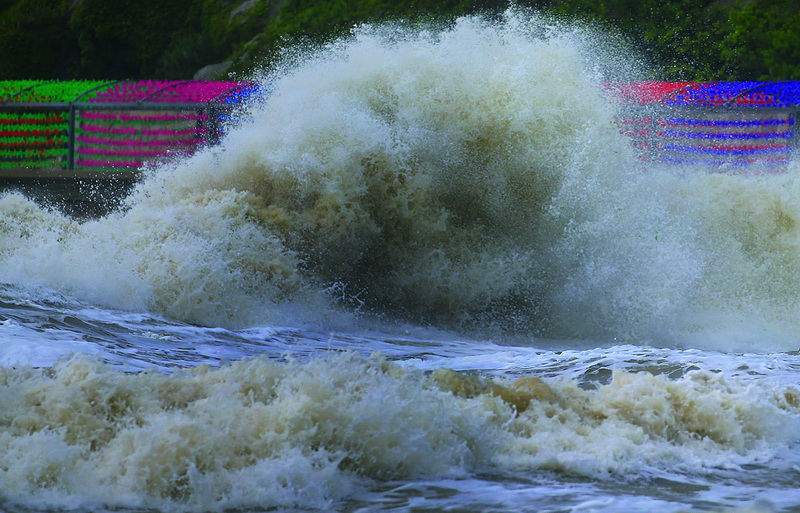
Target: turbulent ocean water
(428, 274)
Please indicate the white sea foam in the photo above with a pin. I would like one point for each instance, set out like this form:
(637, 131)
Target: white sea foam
(257, 433)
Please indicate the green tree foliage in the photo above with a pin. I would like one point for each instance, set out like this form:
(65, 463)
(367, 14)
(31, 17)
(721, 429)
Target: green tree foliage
(682, 38)
(764, 40)
(119, 36)
(35, 41)
(315, 21)
(699, 40)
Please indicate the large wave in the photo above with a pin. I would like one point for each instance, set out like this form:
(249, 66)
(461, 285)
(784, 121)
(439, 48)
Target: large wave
(468, 176)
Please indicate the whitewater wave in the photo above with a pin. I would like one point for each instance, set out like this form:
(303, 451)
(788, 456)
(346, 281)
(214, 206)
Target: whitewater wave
(466, 177)
(258, 433)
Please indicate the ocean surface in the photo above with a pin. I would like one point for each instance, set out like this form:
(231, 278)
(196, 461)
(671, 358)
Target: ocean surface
(428, 274)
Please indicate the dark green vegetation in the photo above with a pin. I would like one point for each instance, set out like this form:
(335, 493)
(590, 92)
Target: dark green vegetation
(89, 39)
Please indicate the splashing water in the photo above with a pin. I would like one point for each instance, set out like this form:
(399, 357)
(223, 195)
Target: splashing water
(461, 181)
(260, 432)
(470, 177)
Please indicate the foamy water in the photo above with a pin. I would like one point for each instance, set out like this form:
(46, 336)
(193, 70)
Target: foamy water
(428, 274)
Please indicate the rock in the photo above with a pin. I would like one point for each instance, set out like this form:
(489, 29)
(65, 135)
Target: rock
(240, 13)
(213, 71)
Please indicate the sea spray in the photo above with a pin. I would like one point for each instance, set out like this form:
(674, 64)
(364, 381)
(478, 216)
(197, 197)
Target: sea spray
(748, 230)
(415, 172)
(470, 177)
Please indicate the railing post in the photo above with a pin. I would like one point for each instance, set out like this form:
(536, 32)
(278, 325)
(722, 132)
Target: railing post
(203, 124)
(71, 138)
(212, 124)
(208, 124)
(655, 115)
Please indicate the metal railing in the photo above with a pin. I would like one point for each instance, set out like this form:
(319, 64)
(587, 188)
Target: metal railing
(67, 127)
(731, 138)
(745, 126)
(116, 135)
